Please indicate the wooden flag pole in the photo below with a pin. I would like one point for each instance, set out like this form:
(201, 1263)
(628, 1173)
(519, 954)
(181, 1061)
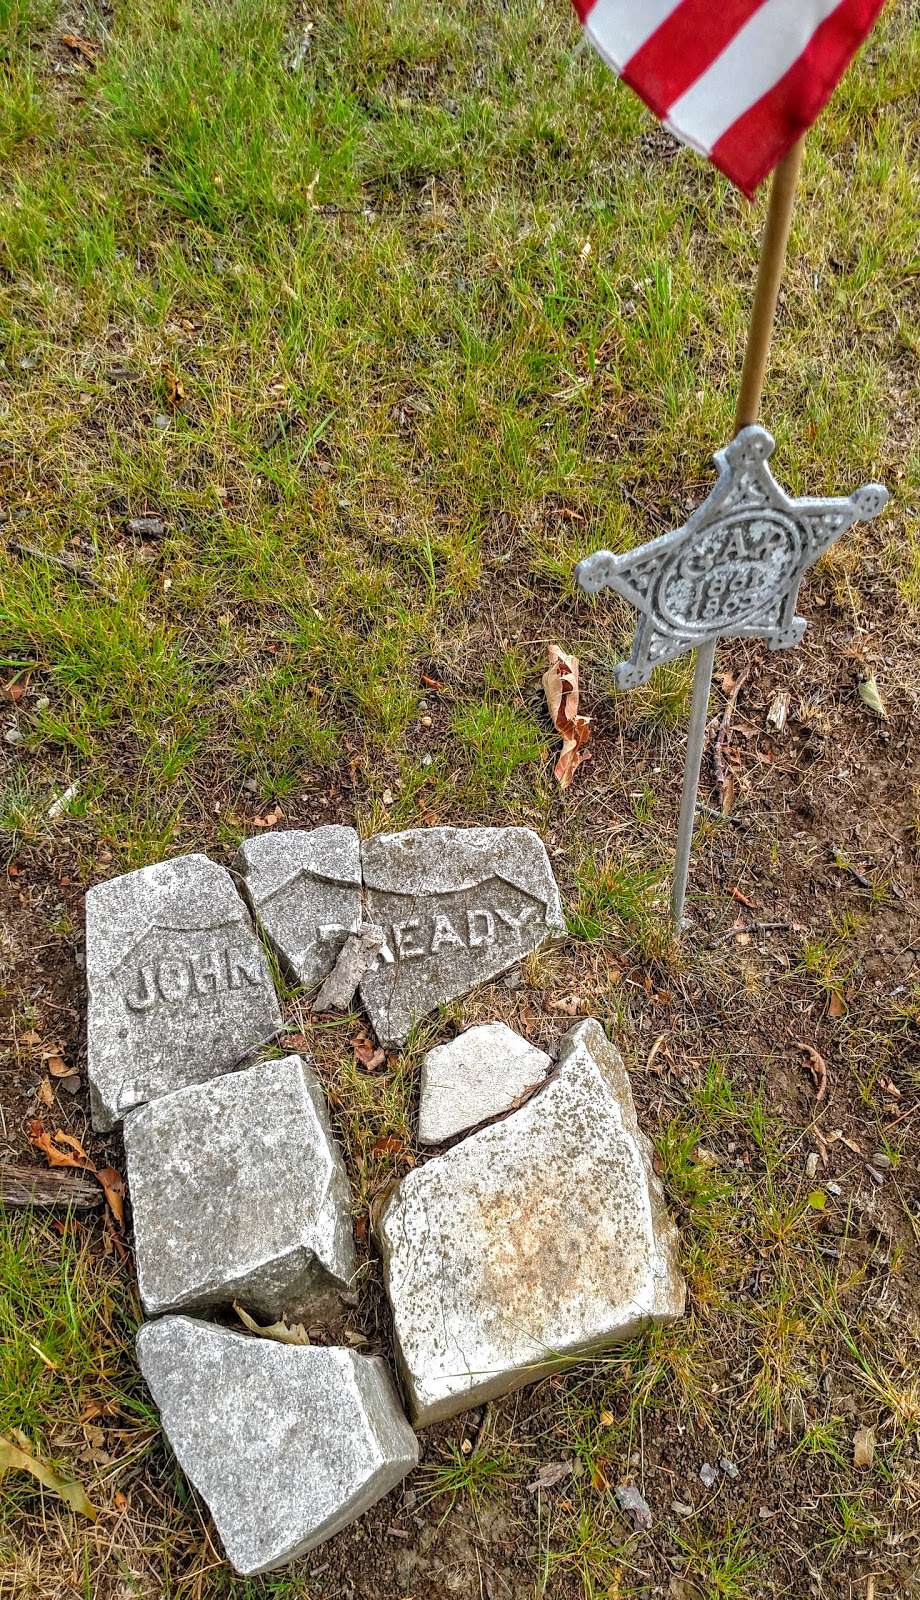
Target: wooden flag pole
(760, 333)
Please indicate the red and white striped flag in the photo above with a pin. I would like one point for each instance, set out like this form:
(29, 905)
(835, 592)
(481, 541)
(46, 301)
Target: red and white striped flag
(739, 80)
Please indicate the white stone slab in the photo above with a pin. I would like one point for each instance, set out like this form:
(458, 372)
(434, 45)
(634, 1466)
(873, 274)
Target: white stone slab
(537, 1239)
(458, 907)
(475, 1077)
(287, 1444)
(239, 1192)
(305, 889)
(179, 988)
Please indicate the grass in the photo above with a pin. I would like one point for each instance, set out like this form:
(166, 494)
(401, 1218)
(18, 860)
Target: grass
(390, 313)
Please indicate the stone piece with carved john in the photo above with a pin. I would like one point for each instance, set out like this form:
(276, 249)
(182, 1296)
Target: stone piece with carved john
(179, 989)
(304, 887)
(239, 1193)
(457, 907)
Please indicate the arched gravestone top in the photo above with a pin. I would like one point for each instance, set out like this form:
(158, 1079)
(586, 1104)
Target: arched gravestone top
(734, 568)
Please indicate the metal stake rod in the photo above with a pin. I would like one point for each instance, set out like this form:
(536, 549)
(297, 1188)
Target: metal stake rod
(760, 332)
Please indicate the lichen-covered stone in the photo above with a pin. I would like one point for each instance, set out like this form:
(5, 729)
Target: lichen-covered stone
(179, 988)
(537, 1239)
(305, 889)
(475, 1077)
(458, 906)
(238, 1192)
(287, 1444)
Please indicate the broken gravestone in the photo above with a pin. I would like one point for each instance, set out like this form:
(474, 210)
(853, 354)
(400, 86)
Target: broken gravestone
(540, 1238)
(286, 1443)
(179, 989)
(457, 906)
(475, 1077)
(305, 890)
(239, 1193)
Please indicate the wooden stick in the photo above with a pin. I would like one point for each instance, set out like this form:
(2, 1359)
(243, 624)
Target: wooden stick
(769, 278)
(33, 1186)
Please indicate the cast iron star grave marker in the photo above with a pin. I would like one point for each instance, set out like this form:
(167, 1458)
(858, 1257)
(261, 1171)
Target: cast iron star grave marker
(733, 570)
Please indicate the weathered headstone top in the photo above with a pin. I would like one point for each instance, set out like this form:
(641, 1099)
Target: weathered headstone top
(305, 889)
(475, 1077)
(734, 568)
(287, 1444)
(179, 989)
(541, 1237)
(239, 1192)
(457, 906)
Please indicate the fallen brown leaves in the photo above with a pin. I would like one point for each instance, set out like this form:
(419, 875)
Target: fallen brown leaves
(62, 1149)
(817, 1066)
(560, 685)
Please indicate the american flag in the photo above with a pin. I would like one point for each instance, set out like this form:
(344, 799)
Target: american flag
(739, 80)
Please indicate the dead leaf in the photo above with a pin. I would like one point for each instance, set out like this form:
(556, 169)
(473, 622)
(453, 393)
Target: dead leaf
(58, 1067)
(175, 390)
(48, 1144)
(817, 1066)
(113, 1187)
(432, 683)
(560, 685)
(868, 691)
(389, 1146)
(295, 1334)
(570, 1005)
(45, 1092)
(80, 46)
(742, 898)
(74, 1155)
(12, 1457)
(270, 819)
(552, 1473)
(371, 1056)
(836, 1005)
(863, 1447)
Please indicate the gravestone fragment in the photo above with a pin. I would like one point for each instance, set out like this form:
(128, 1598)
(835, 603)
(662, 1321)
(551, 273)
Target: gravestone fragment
(475, 1077)
(239, 1193)
(537, 1239)
(305, 890)
(287, 1444)
(179, 989)
(358, 953)
(457, 906)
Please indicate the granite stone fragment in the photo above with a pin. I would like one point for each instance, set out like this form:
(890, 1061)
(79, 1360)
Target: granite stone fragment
(539, 1238)
(458, 906)
(474, 1077)
(305, 890)
(238, 1192)
(179, 988)
(358, 953)
(287, 1444)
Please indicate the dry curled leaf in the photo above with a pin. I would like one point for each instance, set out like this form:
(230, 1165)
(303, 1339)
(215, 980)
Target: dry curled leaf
(64, 1150)
(14, 1457)
(80, 46)
(868, 691)
(817, 1066)
(863, 1447)
(295, 1333)
(560, 685)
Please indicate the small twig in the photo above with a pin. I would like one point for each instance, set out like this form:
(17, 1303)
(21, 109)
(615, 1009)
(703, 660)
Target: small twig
(77, 569)
(723, 738)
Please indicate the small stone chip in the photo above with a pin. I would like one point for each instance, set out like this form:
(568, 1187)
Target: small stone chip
(458, 906)
(475, 1077)
(179, 988)
(287, 1444)
(239, 1193)
(538, 1238)
(305, 891)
